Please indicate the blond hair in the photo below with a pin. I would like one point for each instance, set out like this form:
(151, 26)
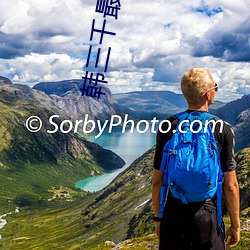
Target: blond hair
(195, 83)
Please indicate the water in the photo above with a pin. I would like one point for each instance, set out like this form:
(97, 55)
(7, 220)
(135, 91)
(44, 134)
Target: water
(128, 146)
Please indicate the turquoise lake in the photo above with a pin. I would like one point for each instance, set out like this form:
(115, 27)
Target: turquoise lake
(129, 146)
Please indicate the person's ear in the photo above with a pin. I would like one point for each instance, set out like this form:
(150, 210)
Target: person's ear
(207, 95)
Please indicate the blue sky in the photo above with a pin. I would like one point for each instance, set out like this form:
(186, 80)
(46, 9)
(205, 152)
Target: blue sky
(156, 42)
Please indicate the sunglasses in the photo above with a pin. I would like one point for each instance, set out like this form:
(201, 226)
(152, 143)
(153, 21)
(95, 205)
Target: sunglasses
(216, 87)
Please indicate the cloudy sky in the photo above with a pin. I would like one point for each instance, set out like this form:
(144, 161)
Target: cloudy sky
(156, 42)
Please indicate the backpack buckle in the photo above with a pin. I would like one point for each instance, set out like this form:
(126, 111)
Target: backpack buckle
(172, 152)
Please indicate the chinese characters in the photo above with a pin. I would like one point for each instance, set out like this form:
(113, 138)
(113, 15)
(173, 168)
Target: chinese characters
(90, 86)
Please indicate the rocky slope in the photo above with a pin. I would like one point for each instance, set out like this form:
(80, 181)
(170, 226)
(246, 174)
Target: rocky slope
(232, 110)
(68, 96)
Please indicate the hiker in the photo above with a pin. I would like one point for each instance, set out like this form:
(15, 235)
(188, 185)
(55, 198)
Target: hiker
(188, 224)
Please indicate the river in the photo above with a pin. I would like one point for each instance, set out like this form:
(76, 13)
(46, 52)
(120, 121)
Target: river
(128, 146)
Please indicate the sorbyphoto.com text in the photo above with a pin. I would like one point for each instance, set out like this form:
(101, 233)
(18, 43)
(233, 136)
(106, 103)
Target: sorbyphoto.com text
(87, 126)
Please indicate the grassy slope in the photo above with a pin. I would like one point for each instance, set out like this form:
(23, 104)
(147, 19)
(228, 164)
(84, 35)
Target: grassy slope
(60, 225)
(55, 225)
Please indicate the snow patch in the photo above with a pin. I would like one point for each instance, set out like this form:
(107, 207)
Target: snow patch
(2, 223)
(142, 204)
(143, 186)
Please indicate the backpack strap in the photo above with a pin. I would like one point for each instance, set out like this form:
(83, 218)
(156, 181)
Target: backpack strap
(219, 200)
(209, 116)
(163, 194)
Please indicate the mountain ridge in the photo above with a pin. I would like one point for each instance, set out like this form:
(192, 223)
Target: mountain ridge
(67, 95)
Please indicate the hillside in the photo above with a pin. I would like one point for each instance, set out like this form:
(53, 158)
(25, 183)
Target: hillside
(106, 215)
(123, 210)
(32, 163)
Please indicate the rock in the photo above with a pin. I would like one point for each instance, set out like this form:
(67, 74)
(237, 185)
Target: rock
(109, 243)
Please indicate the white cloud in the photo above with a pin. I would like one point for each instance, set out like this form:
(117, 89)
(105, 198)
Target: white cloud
(34, 68)
(155, 42)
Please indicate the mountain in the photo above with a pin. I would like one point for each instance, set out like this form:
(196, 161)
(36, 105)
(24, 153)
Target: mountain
(32, 163)
(149, 104)
(151, 100)
(216, 105)
(68, 97)
(242, 130)
(38, 166)
(237, 114)
(232, 110)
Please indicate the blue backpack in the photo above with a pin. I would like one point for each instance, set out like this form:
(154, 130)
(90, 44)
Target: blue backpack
(191, 162)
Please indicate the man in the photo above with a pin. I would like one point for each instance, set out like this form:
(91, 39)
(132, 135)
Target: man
(194, 225)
